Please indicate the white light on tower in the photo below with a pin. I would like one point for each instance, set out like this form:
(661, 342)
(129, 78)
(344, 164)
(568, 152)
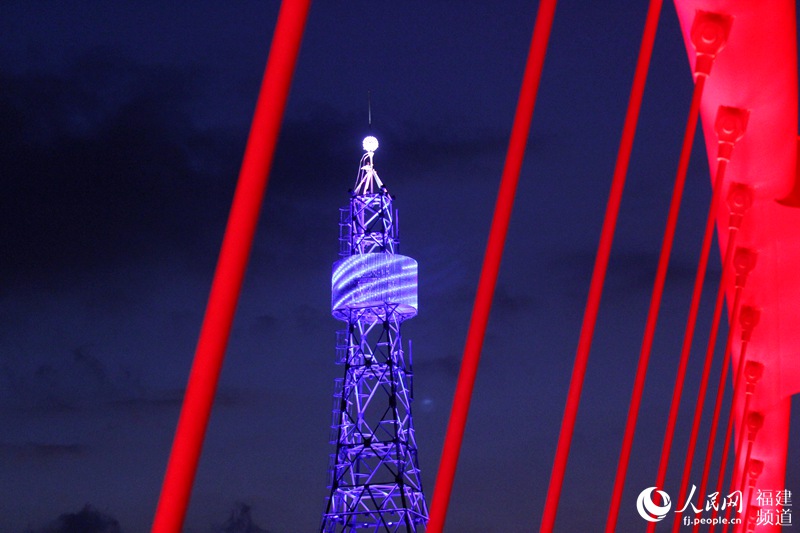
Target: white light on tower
(370, 144)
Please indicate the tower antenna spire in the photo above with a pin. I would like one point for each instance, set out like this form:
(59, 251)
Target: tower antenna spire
(369, 109)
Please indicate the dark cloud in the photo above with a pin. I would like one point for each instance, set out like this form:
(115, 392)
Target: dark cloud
(87, 520)
(630, 273)
(264, 323)
(91, 520)
(102, 164)
(240, 521)
(448, 364)
(509, 302)
(67, 383)
(40, 450)
(455, 158)
(74, 386)
(87, 380)
(164, 399)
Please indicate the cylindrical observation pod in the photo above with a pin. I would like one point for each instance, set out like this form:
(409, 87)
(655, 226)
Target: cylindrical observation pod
(374, 280)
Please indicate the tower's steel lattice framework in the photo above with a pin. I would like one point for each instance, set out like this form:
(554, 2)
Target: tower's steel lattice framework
(374, 479)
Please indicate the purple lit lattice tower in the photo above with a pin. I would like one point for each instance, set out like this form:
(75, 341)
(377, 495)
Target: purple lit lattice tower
(374, 477)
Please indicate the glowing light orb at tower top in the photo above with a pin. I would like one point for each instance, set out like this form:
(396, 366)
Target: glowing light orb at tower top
(370, 143)
(368, 178)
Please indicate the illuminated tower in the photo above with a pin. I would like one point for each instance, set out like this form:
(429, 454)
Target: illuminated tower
(375, 483)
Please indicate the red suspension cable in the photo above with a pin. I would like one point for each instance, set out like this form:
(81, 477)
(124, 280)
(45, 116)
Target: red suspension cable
(712, 342)
(693, 310)
(752, 423)
(652, 316)
(600, 267)
(655, 301)
(231, 267)
(712, 435)
(748, 318)
(698, 410)
(709, 35)
(739, 199)
(491, 266)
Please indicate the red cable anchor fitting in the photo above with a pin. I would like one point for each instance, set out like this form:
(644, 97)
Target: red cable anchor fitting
(755, 421)
(740, 199)
(709, 34)
(730, 126)
(752, 518)
(752, 373)
(748, 319)
(754, 469)
(744, 260)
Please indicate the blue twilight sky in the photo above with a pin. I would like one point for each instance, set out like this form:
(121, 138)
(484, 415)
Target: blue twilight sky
(122, 125)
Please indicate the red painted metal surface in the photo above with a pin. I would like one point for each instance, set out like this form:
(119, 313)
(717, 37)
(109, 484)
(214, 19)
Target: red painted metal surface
(758, 72)
(231, 267)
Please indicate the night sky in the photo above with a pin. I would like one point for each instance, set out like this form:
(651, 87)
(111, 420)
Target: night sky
(122, 126)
